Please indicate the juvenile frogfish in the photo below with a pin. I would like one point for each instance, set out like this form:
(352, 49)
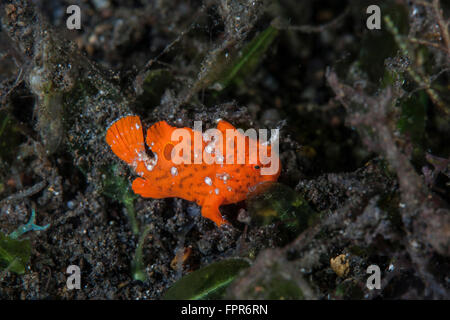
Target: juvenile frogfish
(218, 167)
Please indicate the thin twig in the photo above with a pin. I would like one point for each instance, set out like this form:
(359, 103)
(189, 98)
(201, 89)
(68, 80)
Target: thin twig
(443, 25)
(427, 43)
(19, 79)
(432, 78)
(420, 79)
(315, 29)
(24, 193)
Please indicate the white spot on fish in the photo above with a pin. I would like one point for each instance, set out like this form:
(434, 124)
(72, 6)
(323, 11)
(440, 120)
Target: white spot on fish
(209, 148)
(137, 126)
(219, 158)
(150, 163)
(216, 190)
(174, 171)
(223, 176)
(208, 181)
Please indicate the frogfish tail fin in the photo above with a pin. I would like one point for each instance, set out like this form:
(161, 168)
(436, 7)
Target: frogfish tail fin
(126, 139)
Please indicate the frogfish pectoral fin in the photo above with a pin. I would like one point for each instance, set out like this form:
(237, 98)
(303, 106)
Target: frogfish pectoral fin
(210, 210)
(146, 189)
(126, 139)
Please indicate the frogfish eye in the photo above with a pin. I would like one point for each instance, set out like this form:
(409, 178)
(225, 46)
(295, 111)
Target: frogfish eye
(168, 151)
(257, 167)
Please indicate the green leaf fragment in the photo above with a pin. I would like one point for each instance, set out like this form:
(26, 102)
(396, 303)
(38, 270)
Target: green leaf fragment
(137, 265)
(118, 188)
(14, 254)
(153, 87)
(10, 137)
(277, 202)
(208, 282)
(244, 62)
(413, 116)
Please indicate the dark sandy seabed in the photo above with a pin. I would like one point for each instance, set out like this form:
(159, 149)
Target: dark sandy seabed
(364, 146)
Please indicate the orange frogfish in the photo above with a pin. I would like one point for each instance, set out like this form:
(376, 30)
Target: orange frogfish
(220, 166)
